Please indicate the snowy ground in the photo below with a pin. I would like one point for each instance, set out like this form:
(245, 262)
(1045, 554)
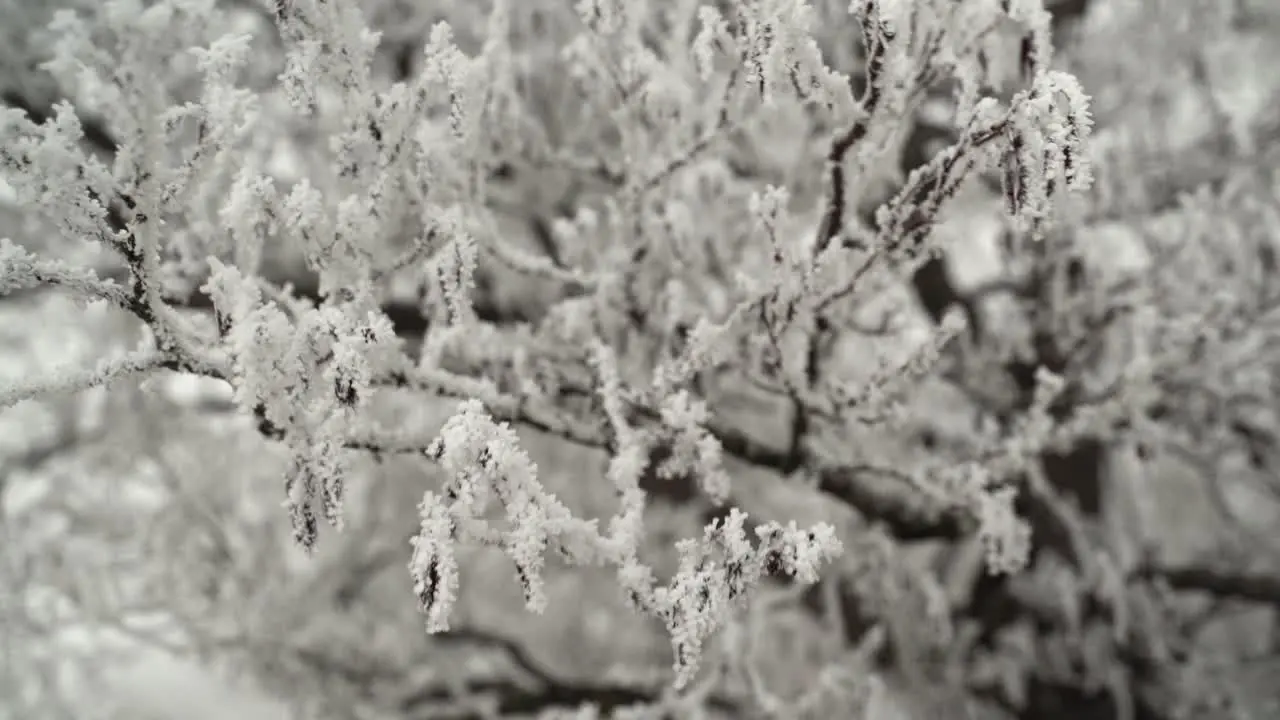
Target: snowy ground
(160, 687)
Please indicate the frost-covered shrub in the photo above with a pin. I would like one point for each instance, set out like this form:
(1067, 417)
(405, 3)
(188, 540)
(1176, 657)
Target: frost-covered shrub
(673, 237)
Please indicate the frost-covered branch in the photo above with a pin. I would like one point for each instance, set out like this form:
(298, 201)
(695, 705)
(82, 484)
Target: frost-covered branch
(73, 380)
(668, 282)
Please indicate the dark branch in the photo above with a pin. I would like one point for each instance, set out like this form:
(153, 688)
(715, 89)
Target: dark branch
(1252, 587)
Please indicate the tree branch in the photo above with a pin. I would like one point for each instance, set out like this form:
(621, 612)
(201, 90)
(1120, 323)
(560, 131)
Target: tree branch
(1248, 586)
